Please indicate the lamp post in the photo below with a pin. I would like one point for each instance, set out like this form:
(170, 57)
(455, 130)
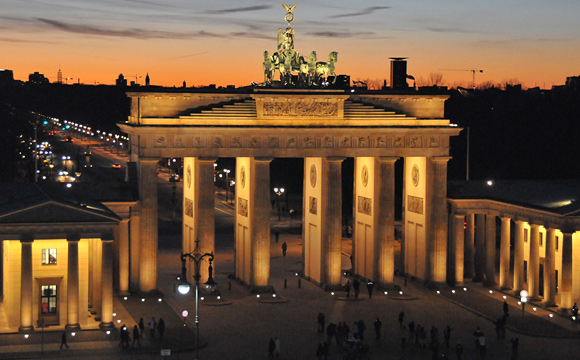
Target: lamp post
(227, 171)
(279, 192)
(524, 300)
(196, 256)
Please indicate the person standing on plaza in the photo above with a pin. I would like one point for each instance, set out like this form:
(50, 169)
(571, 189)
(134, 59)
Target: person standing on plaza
(515, 343)
(141, 327)
(403, 332)
(284, 247)
(161, 327)
(276, 235)
(63, 340)
(320, 321)
(506, 309)
(361, 329)
(477, 333)
(370, 287)
(277, 349)
(356, 287)
(271, 348)
(377, 324)
(447, 335)
(401, 318)
(152, 326)
(481, 340)
(575, 312)
(459, 350)
(136, 336)
(320, 350)
(347, 288)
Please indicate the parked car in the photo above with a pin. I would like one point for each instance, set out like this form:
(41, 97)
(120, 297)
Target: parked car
(174, 178)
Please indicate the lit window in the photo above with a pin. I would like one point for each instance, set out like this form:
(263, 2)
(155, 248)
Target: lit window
(541, 239)
(557, 243)
(48, 256)
(48, 299)
(525, 235)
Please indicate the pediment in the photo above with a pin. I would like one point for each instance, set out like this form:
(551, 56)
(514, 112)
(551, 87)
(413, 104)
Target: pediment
(57, 212)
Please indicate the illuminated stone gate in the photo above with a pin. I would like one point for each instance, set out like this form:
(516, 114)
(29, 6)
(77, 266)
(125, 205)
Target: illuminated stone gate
(323, 127)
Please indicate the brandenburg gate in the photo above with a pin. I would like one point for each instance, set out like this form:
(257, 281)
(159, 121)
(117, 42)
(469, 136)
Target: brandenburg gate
(322, 125)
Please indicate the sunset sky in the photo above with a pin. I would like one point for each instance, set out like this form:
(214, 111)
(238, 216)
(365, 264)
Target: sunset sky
(222, 41)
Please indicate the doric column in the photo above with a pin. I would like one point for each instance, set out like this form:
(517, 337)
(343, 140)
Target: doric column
(479, 247)
(490, 240)
(519, 257)
(550, 268)
(149, 224)
(73, 283)
(469, 271)
(260, 208)
(504, 253)
(26, 299)
(386, 220)
(332, 202)
(135, 252)
(534, 263)
(108, 252)
(457, 244)
(124, 257)
(437, 193)
(566, 288)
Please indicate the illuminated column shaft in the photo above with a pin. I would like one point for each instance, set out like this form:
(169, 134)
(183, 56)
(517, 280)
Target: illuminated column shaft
(437, 193)
(124, 257)
(135, 248)
(332, 221)
(534, 263)
(149, 226)
(469, 271)
(479, 247)
(26, 299)
(73, 284)
(457, 247)
(504, 260)
(107, 284)
(260, 208)
(519, 257)
(550, 268)
(204, 213)
(490, 250)
(386, 219)
(566, 288)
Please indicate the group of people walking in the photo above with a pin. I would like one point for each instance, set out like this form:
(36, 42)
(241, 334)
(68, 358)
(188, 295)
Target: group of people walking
(138, 330)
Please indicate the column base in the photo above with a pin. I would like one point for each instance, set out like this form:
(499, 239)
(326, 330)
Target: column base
(107, 326)
(267, 289)
(25, 329)
(72, 327)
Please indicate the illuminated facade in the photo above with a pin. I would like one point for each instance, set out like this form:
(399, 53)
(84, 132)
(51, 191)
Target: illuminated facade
(532, 225)
(60, 259)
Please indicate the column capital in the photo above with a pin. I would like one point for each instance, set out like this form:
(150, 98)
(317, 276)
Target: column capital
(335, 158)
(440, 159)
(535, 226)
(207, 159)
(148, 161)
(263, 159)
(459, 216)
(505, 218)
(73, 238)
(27, 239)
(388, 159)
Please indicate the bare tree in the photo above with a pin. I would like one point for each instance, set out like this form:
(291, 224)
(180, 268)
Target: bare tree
(435, 79)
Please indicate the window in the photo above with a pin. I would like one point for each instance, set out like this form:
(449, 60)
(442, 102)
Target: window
(48, 299)
(541, 239)
(48, 256)
(525, 271)
(557, 285)
(525, 235)
(557, 244)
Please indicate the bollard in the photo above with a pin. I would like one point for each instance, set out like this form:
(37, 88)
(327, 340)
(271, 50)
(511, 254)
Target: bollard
(229, 285)
(285, 283)
(299, 283)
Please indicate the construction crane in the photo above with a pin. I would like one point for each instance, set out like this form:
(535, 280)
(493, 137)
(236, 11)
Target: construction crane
(137, 77)
(473, 71)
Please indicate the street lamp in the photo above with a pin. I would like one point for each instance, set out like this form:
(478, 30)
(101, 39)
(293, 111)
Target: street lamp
(524, 300)
(196, 256)
(279, 192)
(227, 183)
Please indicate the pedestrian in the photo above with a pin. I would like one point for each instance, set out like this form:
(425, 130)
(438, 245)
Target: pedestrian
(277, 349)
(458, 351)
(356, 287)
(515, 343)
(401, 318)
(330, 332)
(320, 321)
(277, 235)
(325, 350)
(361, 330)
(411, 328)
(403, 331)
(447, 336)
(161, 327)
(320, 350)
(377, 324)
(482, 344)
(122, 336)
(347, 288)
(141, 327)
(271, 348)
(477, 333)
(152, 325)
(506, 309)
(284, 247)
(136, 336)
(355, 333)
(63, 340)
(126, 337)
(370, 286)
(575, 312)
(434, 336)
(497, 324)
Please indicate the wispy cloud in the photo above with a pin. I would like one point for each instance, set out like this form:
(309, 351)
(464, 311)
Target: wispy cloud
(188, 56)
(240, 9)
(132, 33)
(339, 34)
(366, 11)
(10, 40)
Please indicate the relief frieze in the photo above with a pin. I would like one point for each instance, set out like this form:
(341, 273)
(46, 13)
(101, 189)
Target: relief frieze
(345, 142)
(242, 207)
(160, 141)
(236, 142)
(312, 205)
(306, 108)
(217, 142)
(291, 143)
(415, 204)
(364, 205)
(308, 142)
(188, 207)
(179, 142)
(328, 142)
(255, 142)
(198, 142)
(273, 142)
